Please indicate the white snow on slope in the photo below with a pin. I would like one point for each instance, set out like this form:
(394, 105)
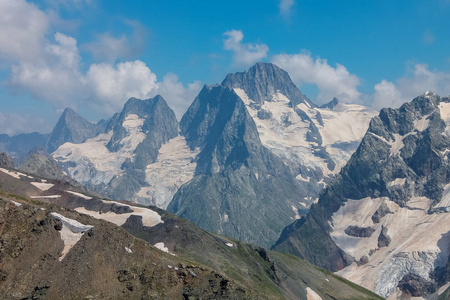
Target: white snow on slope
(312, 295)
(162, 247)
(445, 115)
(79, 195)
(345, 123)
(413, 248)
(150, 218)
(42, 185)
(45, 196)
(94, 163)
(14, 174)
(71, 232)
(174, 167)
(445, 201)
(284, 133)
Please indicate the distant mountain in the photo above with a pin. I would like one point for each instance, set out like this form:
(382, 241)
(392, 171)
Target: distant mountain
(240, 188)
(19, 145)
(115, 162)
(69, 245)
(384, 221)
(72, 128)
(250, 163)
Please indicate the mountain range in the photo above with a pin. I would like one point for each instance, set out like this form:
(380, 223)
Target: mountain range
(357, 193)
(255, 143)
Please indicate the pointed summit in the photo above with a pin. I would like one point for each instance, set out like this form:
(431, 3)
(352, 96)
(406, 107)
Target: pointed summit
(262, 81)
(332, 104)
(71, 127)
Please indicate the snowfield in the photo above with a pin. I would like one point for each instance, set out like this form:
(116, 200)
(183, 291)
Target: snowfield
(419, 242)
(71, 232)
(283, 131)
(174, 167)
(150, 218)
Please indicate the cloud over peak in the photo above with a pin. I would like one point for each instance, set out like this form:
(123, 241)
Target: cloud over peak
(331, 82)
(243, 54)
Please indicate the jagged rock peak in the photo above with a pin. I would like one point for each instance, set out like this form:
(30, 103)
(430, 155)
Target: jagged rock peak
(262, 81)
(332, 104)
(71, 127)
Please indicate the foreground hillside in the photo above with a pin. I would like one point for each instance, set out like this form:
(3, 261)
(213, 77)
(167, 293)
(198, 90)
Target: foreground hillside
(50, 250)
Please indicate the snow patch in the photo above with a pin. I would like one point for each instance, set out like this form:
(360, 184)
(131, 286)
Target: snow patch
(45, 196)
(295, 209)
(162, 247)
(71, 232)
(422, 124)
(397, 182)
(150, 218)
(174, 167)
(79, 195)
(397, 145)
(312, 295)
(14, 174)
(229, 244)
(445, 200)
(17, 204)
(301, 178)
(43, 186)
(128, 250)
(445, 116)
(132, 121)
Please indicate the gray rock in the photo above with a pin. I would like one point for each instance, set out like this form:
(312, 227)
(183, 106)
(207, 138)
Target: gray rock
(240, 189)
(71, 127)
(263, 80)
(359, 231)
(6, 160)
(383, 239)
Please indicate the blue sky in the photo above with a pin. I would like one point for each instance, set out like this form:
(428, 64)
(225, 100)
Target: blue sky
(93, 55)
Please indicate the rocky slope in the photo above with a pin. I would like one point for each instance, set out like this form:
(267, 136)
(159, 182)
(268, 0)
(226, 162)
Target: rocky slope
(43, 166)
(384, 221)
(240, 188)
(67, 244)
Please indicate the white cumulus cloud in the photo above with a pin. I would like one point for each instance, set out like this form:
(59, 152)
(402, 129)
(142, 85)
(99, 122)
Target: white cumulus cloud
(417, 81)
(111, 85)
(55, 76)
(243, 54)
(23, 28)
(177, 96)
(330, 81)
(110, 48)
(13, 123)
